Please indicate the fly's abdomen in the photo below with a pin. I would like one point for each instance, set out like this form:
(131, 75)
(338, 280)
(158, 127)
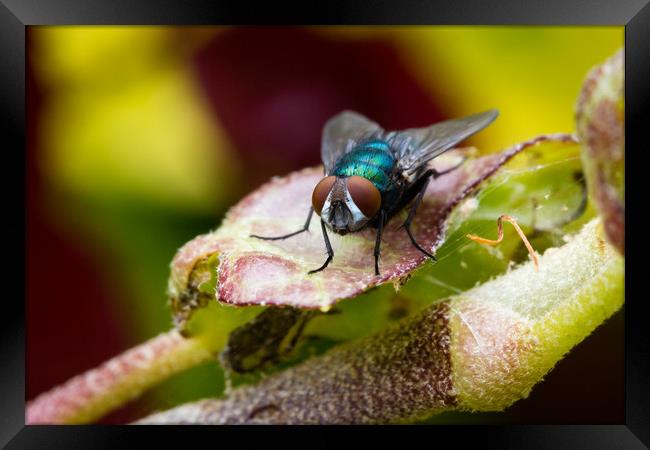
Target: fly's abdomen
(372, 160)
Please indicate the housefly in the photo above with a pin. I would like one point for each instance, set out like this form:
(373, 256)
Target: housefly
(372, 174)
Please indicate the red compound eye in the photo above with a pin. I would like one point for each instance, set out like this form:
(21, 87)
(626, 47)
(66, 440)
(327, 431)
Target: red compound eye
(365, 195)
(321, 191)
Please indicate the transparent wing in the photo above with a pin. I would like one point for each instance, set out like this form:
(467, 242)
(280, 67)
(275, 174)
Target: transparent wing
(340, 133)
(417, 146)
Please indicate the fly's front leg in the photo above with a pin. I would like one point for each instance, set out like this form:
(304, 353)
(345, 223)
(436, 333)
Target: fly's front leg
(330, 252)
(380, 228)
(302, 230)
(414, 207)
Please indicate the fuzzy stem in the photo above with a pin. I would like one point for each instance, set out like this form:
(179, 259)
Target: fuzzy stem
(90, 395)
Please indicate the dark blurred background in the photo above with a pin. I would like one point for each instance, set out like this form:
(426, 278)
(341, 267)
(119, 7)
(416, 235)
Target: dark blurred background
(140, 138)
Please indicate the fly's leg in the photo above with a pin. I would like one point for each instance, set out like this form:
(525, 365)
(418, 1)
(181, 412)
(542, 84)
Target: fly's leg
(330, 252)
(302, 230)
(414, 207)
(380, 228)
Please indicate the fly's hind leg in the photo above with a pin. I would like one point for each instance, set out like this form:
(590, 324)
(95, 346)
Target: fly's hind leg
(302, 230)
(414, 207)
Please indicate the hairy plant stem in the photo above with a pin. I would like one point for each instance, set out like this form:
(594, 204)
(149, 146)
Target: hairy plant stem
(90, 395)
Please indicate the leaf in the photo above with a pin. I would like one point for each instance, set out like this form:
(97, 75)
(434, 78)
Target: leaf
(542, 187)
(249, 271)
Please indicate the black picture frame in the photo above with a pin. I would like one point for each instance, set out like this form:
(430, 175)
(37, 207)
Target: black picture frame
(16, 15)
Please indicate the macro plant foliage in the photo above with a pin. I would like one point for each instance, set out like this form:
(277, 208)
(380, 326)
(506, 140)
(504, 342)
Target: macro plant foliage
(474, 331)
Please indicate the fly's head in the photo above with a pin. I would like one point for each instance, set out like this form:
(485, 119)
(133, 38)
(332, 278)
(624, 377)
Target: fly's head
(346, 204)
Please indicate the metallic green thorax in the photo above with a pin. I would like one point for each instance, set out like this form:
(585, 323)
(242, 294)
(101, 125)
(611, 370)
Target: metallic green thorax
(372, 160)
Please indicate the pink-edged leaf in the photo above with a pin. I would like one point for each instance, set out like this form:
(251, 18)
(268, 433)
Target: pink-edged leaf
(257, 272)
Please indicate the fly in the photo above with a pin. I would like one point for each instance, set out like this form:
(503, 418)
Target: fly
(372, 174)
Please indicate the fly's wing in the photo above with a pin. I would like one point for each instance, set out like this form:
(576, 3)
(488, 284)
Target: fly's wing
(340, 133)
(417, 146)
